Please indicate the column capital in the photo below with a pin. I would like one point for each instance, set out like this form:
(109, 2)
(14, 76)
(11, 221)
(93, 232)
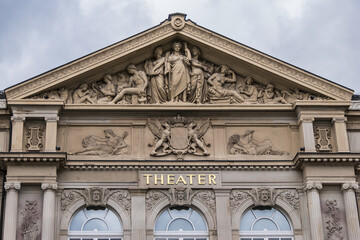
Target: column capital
(51, 118)
(12, 185)
(339, 119)
(306, 119)
(49, 186)
(313, 185)
(18, 118)
(350, 186)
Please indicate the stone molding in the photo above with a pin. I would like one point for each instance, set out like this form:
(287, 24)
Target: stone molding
(177, 23)
(52, 118)
(339, 119)
(49, 186)
(12, 186)
(18, 118)
(350, 186)
(267, 61)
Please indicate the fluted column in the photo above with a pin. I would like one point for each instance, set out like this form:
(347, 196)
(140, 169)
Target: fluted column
(352, 218)
(48, 218)
(313, 196)
(11, 210)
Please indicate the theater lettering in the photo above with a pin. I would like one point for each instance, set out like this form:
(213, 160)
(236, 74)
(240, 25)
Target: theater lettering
(180, 179)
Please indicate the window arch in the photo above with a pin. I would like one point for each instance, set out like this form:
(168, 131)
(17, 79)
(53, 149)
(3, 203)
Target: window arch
(95, 224)
(265, 223)
(180, 223)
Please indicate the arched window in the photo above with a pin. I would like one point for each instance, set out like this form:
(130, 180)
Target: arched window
(180, 223)
(265, 223)
(95, 224)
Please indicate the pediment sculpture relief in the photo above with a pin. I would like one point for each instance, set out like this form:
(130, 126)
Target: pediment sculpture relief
(248, 145)
(110, 144)
(179, 136)
(178, 76)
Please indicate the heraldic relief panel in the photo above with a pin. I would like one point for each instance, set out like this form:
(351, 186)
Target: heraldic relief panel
(178, 76)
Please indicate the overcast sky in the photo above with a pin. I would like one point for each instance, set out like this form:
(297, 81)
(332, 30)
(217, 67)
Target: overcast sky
(321, 36)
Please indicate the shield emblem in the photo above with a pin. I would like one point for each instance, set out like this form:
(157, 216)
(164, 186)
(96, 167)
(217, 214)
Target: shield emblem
(179, 138)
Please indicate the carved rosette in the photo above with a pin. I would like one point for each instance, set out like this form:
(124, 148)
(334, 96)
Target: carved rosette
(237, 197)
(334, 228)
(322, 139)
(153, 197)
(12, 186)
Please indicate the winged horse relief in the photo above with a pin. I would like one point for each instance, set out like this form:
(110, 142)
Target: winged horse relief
(179, 136)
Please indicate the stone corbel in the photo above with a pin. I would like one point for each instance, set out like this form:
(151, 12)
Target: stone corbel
(12, 186)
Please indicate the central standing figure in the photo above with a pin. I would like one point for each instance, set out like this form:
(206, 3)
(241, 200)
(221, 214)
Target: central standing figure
(177, 68)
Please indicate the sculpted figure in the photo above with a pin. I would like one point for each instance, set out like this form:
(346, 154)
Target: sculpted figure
(111, 144)
(177, 69)
(82, 94)
(217, 80)
(250, 91)
(270, 96)
(107, 91)
(246, 144)
(195, 133)
(198, 86)
(137, 85)
(162, 132)
(155, 70)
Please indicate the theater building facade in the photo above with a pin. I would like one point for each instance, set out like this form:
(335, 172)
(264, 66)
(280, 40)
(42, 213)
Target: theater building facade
(179, 133)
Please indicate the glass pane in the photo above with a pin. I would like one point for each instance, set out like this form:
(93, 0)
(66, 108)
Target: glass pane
(258, 238)
(173, 239)
(274, 238)
(95, 213)
(265, 225)
(286, 238)
(75, 239)
(78, 221)
(180, 225)
(103, 239)
(198, 221)
(246, 221)
(95, 225)
(266, 212)
(113, 221)
(180, 213)
(281, 220)
(188, 238)
(245, 238)
(162, 221)
(160, 238)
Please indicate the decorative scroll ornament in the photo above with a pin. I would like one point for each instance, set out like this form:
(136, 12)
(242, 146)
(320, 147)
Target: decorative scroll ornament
(237, 197)
(246, 144)
(291, 196)
(34, 138)
(207, 197)
(111, 144)
(323, 139)
(153, 197)
(334, 228)
(96, 196)
(179, 136)
(29, 226)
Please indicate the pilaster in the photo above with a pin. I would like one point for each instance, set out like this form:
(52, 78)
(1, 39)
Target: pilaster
(341, 137)
(352, 218)
(307, 139)
(51, 133)
(223, 216)
(17, 138)
(138, 214)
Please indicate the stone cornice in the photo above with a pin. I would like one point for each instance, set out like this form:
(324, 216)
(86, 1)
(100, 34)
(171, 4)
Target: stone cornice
(189, 29)
(32, 158)
(326, 158)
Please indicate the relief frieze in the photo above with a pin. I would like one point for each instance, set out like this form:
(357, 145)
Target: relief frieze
(179, 136)
(246, 144)
(110, 144)
(177, 76)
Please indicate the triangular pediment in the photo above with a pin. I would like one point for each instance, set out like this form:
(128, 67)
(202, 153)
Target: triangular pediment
(273, 81)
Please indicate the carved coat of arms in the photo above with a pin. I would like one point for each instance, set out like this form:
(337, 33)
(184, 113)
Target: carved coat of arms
(179, 136)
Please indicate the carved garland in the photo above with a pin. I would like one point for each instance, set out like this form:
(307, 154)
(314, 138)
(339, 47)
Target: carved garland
(334, 228)
(96, 197)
